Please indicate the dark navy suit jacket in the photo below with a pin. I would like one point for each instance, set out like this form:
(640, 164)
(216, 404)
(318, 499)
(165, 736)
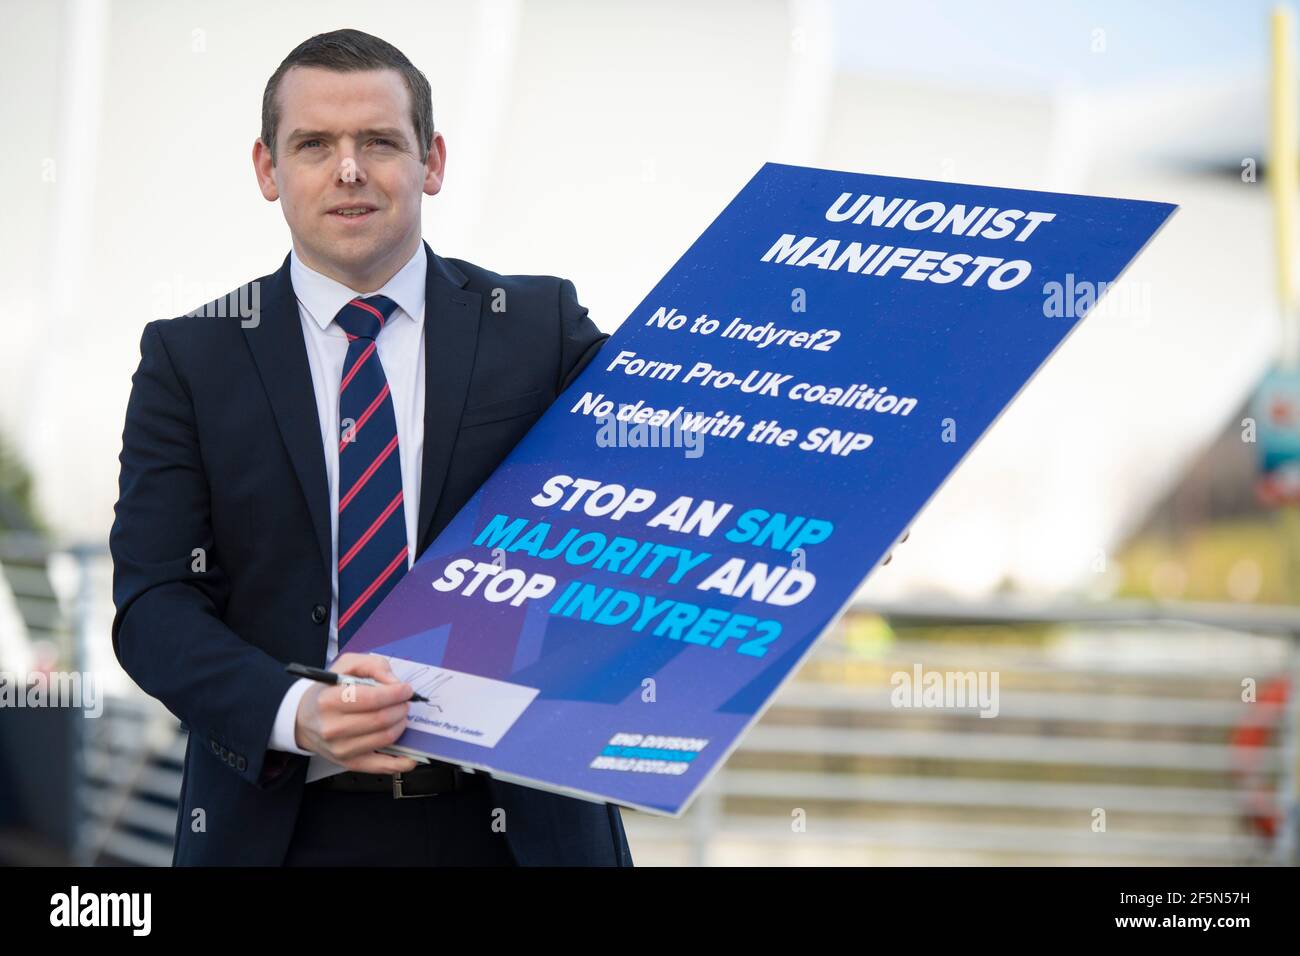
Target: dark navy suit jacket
(222, 451)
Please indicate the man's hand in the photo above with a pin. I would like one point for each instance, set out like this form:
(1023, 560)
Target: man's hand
(347, 723)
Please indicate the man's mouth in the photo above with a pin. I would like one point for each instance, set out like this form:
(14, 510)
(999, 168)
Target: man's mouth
(352, 212)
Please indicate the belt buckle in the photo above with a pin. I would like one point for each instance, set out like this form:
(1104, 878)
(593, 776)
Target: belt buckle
(399, 795)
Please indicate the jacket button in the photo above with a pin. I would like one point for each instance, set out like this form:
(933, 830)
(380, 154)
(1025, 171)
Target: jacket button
(319, 614)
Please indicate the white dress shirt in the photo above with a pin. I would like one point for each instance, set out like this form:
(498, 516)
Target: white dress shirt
(400, 347)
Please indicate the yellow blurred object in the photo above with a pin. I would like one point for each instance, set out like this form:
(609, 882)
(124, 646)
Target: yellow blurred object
(867, 635)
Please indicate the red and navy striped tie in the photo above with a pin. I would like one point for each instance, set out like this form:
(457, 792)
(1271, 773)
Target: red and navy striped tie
(372, 520)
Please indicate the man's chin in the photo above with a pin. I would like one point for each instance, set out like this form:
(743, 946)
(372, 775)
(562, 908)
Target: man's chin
(348, 255)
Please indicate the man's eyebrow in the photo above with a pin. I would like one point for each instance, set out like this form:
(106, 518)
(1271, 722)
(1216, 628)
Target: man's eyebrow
(391, 132)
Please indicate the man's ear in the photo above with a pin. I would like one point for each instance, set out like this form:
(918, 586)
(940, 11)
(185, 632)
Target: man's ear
(436, 165)
(264, 169)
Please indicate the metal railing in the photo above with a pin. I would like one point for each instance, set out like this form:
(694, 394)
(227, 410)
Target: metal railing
(1125, 714)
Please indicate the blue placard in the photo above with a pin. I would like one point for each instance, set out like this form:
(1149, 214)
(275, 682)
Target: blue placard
(624, 595)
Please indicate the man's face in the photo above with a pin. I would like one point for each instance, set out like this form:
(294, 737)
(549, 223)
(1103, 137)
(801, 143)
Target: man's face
(346, 142)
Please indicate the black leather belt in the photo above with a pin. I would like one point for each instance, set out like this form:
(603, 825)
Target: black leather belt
(426, 780)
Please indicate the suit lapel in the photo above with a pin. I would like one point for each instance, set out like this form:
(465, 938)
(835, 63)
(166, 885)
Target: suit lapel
(281, 355)
(451, 322)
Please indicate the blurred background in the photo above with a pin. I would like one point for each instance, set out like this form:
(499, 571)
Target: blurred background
(1122, 550)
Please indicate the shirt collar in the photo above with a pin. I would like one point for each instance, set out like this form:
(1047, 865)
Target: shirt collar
(323, 297)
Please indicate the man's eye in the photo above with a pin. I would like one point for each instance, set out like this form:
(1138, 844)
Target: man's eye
(308, 143)
(386, 142)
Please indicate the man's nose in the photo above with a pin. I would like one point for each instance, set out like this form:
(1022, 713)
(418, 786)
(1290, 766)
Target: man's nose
(350, 169)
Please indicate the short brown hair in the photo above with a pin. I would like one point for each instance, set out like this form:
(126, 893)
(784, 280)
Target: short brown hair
(345, 51)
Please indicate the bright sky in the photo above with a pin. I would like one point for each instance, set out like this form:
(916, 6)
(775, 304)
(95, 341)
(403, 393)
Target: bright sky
(1053, 41)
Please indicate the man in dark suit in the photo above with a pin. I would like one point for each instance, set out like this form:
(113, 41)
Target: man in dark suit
(289, 450)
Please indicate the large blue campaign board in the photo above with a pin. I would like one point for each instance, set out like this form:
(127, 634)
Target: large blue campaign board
(621, 599)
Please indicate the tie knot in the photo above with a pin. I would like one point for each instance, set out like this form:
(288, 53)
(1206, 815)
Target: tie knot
(365, 317)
